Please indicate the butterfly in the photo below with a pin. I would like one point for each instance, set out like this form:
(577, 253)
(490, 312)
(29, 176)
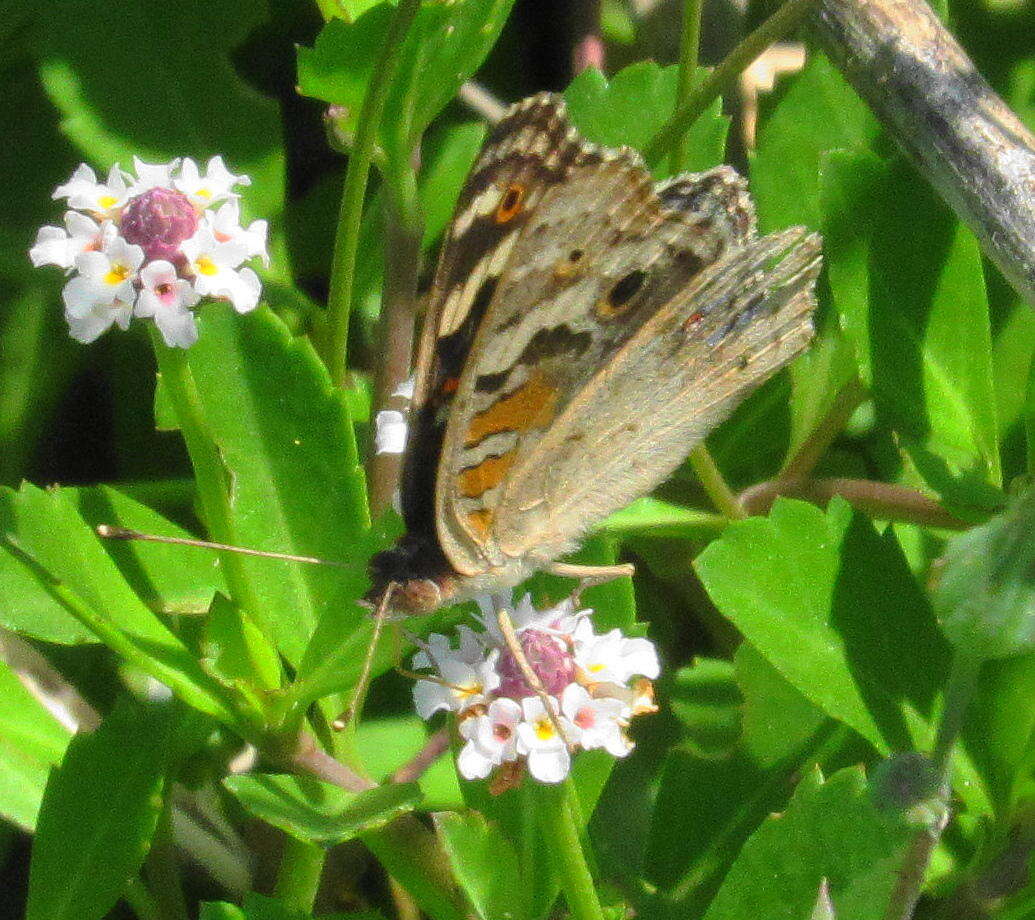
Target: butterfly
(586, 328)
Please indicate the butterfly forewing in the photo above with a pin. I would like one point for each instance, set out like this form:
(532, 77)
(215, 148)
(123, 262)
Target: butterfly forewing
(531, 149)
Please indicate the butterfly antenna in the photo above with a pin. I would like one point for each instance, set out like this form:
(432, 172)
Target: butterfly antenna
(356, 702)
(110, 532)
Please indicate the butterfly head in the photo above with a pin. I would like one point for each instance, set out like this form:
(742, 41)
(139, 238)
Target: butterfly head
(417, 574)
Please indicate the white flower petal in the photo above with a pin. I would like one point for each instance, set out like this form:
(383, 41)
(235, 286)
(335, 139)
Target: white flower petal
(549, 766)
(472, 763)
(91, 326)
(429, 697)
(53, 246)
(151, 175)
(390, 436)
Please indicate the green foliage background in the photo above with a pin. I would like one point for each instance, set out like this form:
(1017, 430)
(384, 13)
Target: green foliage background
(808, 652)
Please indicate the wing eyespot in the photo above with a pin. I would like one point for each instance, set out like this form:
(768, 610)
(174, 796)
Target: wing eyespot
(622, 296)
(511, 203)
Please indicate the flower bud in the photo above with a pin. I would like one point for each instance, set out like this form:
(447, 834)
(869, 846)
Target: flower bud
(549, 659)
(158, 221)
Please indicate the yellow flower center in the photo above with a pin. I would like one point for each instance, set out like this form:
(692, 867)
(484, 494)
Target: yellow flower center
(203, 193)
(466, 691)
(107, 201)
(206, 266)
(544, 730)
(596, 668)
(117, 274)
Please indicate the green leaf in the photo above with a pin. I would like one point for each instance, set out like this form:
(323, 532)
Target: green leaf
(31, 742)
(777, 720)
(985, 597)
(51, 544)
(260, 907)
(830, 830)
(657, 518)
(1000, 730)
(705, 699)
(445, 45)
(169, 579)
(907, 281)
(229, 641)
(37, 356)
(816, 111)
(187, 100)
(628, 109)
(485, 865)
(318, 812)
(813, 608)
(288, 447)
(387, 743)
(98, 814)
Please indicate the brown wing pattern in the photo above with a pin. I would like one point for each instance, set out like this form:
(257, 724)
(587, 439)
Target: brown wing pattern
(572, 353)
(532, 149)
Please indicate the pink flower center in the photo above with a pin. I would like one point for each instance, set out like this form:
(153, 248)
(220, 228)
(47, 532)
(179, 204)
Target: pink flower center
(501, 732)
(157, 221)
(550, 662)
(585, 717)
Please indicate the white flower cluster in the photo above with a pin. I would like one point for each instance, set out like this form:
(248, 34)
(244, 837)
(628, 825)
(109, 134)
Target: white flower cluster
(590, 682)
(152, 245)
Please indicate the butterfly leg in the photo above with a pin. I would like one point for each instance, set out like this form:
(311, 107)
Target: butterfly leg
(590, 575)
(356, 700)
(513, 643)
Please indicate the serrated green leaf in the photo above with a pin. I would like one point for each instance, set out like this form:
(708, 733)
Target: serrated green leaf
(985, 597)
(830, 830)
(446, 43)
(907, 282)
(485, 865)
(318, 812)
(98, 814)
(628, 109)
(286, 441)
(812, 607)
(51, 543)
(31, 742)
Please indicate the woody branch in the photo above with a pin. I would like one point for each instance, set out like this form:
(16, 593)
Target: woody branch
(958, 132)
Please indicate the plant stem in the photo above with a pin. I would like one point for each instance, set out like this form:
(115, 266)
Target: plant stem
(346, 242)
(775, 27)
(404, 228)
(298, 878)
(557, 822)
(715, 485)
(689, 44)
(812, 449)
(884, 500)
(963, 677)
(210, 478)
